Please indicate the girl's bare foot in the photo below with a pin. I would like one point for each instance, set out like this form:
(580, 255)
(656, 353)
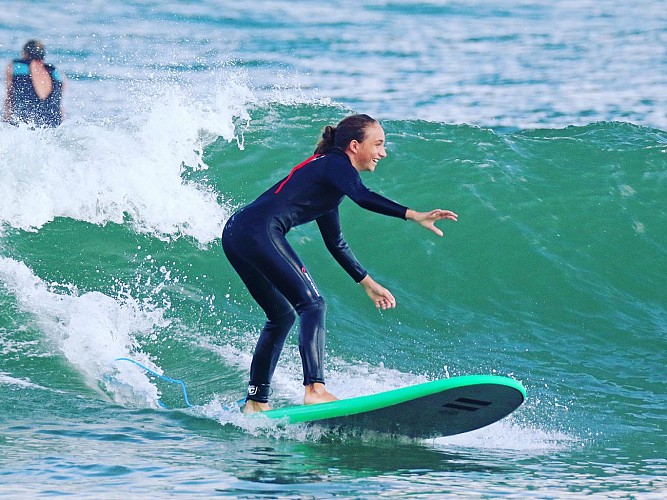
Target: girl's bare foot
(316, 393)
(255, 406)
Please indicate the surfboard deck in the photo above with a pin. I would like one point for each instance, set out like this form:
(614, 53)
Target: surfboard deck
(432, 409)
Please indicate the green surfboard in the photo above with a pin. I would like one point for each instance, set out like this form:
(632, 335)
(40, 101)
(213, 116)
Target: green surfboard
(432, 409)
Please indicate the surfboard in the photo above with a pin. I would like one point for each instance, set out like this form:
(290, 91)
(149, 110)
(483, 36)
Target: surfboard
(428, 410)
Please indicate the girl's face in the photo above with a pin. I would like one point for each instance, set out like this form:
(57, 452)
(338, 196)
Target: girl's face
(366, 154)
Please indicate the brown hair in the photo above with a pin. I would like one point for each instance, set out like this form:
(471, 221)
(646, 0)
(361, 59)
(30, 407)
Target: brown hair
(35, 50)
(349, 129)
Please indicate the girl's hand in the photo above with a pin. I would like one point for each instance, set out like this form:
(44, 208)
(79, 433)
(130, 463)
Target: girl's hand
(428, 219)
(381, 297)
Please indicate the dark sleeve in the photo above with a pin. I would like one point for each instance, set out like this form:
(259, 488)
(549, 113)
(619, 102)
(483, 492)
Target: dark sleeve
(332, 234)
(349, 182)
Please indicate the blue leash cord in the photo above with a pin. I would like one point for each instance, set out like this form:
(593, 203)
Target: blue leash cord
(166, 379)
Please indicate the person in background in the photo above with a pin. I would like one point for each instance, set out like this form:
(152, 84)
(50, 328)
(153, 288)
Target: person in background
(254, 242)
(34, 89)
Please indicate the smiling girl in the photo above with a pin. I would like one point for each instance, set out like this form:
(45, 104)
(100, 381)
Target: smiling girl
(254, 241)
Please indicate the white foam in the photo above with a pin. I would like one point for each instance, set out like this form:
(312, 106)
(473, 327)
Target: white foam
(6, 379)
(507, 434)
(125, 168)
(91, 330)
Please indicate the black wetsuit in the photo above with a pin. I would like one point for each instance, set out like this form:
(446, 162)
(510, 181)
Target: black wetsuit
(255, 244)
(27, 107)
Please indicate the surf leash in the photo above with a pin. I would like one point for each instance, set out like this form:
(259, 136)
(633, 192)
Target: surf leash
(162, 377)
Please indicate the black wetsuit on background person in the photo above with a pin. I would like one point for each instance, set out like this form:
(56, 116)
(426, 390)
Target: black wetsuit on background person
(254, 242)
(26, 105)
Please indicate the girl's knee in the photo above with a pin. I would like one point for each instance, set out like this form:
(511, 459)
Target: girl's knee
(317, 306)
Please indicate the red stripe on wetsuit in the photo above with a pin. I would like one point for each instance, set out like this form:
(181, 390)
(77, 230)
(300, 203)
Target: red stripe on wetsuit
(302, 164)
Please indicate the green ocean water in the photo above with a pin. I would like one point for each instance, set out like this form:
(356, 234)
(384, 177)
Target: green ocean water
(553, 275)
(542, 124)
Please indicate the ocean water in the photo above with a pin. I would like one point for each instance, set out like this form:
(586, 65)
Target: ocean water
(542, 124)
